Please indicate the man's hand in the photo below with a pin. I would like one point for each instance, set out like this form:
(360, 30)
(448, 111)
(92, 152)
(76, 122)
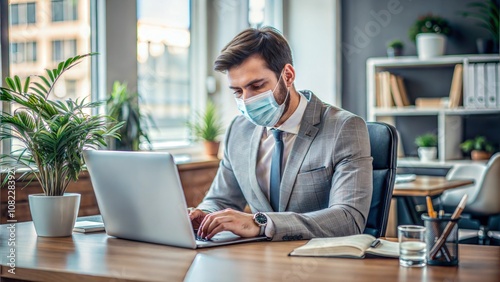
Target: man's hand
(240, 223)
(196, 216)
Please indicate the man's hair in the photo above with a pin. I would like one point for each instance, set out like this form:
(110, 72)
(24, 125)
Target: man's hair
(266, 42)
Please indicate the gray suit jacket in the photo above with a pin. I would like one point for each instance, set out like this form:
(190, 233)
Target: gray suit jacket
(326, 187)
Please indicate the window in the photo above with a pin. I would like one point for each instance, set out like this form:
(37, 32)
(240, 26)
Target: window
(23, 13)
(163, 46)
(23, 52)
(64, 10)
(63, 49)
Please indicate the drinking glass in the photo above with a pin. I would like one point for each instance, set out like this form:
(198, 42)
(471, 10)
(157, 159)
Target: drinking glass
(412, 247)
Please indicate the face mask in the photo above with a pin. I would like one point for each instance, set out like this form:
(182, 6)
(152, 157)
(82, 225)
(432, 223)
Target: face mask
(262, 109)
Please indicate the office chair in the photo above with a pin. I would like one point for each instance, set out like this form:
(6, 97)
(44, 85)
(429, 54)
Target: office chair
(383, 142)
(483, 196)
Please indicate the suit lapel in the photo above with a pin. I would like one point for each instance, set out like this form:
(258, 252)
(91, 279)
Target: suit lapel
(254, 184)
(306, 135)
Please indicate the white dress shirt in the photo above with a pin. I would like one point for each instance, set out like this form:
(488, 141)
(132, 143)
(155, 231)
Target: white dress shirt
(290, 130)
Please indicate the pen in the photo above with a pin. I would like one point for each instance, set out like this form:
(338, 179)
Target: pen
(375, 243)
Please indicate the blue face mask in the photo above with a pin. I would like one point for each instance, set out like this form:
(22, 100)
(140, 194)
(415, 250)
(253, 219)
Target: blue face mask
(262, 109)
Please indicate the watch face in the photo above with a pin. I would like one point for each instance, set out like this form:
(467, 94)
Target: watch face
(260, 218)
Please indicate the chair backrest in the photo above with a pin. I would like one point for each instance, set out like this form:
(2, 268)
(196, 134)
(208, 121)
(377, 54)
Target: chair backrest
(486, 200)
(384, 143)
(451, 198)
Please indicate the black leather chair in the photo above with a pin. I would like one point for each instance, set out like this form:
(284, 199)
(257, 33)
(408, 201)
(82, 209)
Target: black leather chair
(383, 142)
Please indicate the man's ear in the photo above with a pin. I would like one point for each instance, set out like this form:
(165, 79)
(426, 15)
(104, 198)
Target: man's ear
(289, 75)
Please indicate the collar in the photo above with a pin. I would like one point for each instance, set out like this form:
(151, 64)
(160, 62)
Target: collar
(292, 124)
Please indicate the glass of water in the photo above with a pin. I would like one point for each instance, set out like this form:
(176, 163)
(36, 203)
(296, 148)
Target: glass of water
(412, 248)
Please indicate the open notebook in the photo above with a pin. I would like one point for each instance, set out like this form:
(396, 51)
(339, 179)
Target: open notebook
(355, 246)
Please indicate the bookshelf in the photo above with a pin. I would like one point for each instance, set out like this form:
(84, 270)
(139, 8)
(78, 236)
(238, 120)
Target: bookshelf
(430, 78)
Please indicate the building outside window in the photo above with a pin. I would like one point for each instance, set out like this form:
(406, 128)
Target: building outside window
(163, 46)
(64, 10)
(23, 52)
(45, 43)
(23, 13)
(63, 49)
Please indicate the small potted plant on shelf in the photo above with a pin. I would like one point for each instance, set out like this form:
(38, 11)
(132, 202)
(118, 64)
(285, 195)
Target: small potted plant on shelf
(123, 106)
(429, 33)
(487, 15)
(395, 48)
(53, 135)
(427, 146)
(480, 148)
(207, 126)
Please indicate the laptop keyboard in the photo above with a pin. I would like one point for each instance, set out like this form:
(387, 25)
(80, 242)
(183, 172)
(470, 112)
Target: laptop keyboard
(199, 238)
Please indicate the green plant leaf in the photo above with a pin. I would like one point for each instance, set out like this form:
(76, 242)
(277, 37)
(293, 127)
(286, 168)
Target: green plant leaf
(50, 74)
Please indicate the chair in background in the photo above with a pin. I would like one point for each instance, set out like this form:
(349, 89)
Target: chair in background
(383, 142)
(483, 200)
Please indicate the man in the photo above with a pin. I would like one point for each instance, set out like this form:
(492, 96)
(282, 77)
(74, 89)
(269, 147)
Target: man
(303, 167)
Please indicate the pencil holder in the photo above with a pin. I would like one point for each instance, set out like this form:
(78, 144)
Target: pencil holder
(447, 255)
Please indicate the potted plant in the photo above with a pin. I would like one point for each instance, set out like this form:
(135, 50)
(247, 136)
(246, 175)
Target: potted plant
(429, 33)
(395, 48)
(123, 106)
(427, 146)
(486, 13)
(207, 126)
(53, 135)
(480, 148)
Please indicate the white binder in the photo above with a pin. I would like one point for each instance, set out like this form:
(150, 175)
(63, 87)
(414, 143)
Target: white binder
(491, 85)
(470, 89)
(498, 85)
(480, 100)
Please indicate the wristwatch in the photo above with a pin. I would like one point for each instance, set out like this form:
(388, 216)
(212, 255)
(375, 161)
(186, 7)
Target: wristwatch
(261, 220)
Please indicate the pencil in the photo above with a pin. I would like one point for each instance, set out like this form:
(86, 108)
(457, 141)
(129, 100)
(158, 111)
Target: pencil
(430, 208)
(447, 230)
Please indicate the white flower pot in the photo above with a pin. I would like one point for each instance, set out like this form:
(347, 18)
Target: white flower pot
(427, 153)
(430, 45)
(54, 216)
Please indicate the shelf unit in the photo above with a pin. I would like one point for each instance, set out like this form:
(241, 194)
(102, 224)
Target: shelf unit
(449, 121)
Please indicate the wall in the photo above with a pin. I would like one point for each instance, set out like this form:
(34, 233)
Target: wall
(367, 25)
(310, 29)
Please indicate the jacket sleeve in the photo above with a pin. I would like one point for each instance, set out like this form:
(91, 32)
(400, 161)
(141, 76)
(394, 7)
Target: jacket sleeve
(225, 191)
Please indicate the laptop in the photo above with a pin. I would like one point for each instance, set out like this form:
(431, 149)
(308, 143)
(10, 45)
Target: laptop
(140, 198)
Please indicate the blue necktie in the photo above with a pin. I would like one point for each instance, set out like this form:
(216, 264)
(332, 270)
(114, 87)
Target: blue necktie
(275, 178)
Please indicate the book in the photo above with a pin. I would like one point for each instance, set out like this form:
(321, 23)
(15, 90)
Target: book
(402, 91)
(378, 90)
(386, 96)
(456, 88)
(88, 226)
(354, 246)
(396, 94)
(433, 103)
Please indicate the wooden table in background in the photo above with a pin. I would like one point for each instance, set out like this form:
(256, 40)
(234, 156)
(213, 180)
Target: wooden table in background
(98, 257)
(428, 186)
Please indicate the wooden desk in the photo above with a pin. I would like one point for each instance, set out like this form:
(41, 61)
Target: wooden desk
(428, 186)
(97, 257)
